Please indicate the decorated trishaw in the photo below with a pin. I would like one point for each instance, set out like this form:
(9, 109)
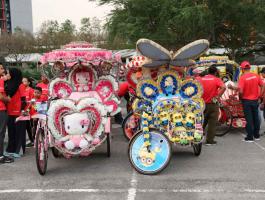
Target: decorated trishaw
(231, 113)
(170, 107)
(82, 89)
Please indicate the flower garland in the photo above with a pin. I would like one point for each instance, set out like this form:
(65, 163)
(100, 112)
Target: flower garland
(190, 89)
(148, 89)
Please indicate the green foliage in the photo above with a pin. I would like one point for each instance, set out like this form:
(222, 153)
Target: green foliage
(173, 23)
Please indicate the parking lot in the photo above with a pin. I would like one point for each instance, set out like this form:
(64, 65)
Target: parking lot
(230, 170)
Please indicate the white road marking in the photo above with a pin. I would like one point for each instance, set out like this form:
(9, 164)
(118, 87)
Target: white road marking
(132, 190)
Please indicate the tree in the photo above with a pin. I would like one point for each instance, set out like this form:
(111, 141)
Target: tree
(16, 44)
(226, 23)
(85, 32)
(47, 36)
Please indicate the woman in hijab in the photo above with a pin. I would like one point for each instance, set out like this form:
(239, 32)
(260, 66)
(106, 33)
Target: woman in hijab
(16, 130)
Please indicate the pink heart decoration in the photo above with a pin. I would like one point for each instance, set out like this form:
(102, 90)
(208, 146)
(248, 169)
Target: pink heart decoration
(105, 89)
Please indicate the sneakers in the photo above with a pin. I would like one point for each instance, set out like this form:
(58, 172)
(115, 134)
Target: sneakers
(29, 145)
(257, 138)
(248, 140)
(210, 143)
(5, 159)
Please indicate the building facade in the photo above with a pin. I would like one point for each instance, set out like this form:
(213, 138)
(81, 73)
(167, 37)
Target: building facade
(15, 13)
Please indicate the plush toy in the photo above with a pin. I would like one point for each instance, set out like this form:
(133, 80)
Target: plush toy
(83, 80)
(190, 120)
(164, 118)
(177, 119)
(198, 136)
(76, 126)
(190, 135)
(184, 138)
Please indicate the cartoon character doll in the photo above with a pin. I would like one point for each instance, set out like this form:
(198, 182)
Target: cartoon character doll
(190, 124)
(83, 81)
(76, 126)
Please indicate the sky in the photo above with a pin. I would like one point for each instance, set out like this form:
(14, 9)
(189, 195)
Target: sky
(61, 10)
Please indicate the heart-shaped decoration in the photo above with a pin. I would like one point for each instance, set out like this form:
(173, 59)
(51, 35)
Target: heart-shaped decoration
(60, 88)
(63, 107)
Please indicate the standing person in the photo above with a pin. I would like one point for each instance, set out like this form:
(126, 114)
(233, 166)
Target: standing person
(16, 130)
(3, 118)
(123, 91)
(213, 88)
(29, 93)
(250, 88)
(44, 84)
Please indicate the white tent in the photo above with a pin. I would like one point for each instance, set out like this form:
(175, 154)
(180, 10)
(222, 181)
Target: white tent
(24, 58)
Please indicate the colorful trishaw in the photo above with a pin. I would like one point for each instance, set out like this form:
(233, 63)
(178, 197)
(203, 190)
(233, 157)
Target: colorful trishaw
(231, 113)
(171, 109)
(76, 119)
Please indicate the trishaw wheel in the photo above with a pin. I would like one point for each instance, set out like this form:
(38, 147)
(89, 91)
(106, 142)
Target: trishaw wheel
(130, 125)
(55, 153)
(224, 123)
(108, 145)
(41, 152)
(154, 160)
(197, 148)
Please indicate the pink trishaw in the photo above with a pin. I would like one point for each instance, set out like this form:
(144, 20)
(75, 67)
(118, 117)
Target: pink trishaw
(77, 117)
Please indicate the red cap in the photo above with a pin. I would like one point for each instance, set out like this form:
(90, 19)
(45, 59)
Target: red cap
(245, 65)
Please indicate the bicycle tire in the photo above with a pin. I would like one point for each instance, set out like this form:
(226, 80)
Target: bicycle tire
(41, 163)
(226, 125)
(127, 132)
(168, 152)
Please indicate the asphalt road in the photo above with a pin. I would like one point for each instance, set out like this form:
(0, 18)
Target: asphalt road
(230, 170)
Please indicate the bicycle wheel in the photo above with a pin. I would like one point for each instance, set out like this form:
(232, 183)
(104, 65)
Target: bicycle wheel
(197, 149)
(130, 125)
(41, 152)
(150, 161)
(224, 123)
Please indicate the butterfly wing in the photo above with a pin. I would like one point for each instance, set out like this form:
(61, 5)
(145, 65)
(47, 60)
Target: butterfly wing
(192, 50)
(157, 54)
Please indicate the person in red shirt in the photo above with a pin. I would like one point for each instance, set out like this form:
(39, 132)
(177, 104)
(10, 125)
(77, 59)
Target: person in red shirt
(3, 118)
(213, 88)
(37, 98)
(251, 88)
(44, 84)
(15, 90)
(29, 93)
(123, 91)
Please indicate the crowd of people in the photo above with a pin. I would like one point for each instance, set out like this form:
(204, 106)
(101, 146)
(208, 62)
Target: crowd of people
(251, 93)
(17, 98)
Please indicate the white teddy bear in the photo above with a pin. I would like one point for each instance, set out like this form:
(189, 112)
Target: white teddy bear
(76, 126)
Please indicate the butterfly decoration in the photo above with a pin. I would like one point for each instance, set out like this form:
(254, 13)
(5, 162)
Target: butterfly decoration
(157, 55)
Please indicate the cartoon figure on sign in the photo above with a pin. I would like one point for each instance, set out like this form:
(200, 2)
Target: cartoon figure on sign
(147, 157)
(77, 126)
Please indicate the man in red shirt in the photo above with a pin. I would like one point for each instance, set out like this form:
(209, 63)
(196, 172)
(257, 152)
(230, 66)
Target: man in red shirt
(250, 88)
(3, 118)
(213, 88)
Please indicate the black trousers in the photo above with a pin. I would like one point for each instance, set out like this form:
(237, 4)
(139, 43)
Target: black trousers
(3, 122)
(29, 125)
(16, 135)
(251, 111)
